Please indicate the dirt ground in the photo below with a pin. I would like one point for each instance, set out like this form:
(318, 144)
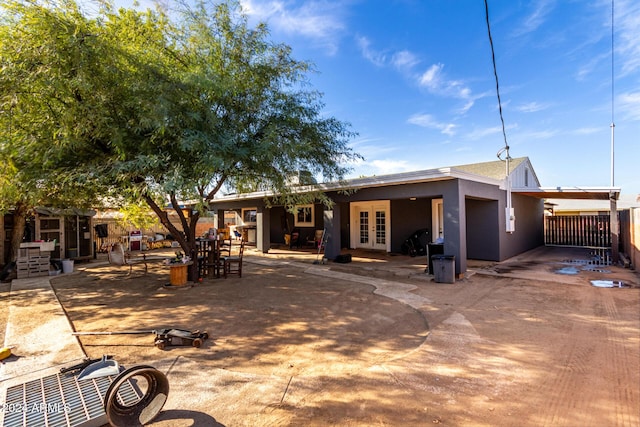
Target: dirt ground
(376, 342)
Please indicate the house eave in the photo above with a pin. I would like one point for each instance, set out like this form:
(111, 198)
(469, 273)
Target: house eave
(431, 175)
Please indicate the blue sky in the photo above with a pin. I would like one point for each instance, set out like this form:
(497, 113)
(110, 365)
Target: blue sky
(415, 80)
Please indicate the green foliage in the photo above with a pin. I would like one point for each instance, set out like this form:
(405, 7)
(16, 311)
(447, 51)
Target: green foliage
(137, 216)
(136, 105)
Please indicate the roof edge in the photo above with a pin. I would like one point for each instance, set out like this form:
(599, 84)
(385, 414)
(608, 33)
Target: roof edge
(416, 177)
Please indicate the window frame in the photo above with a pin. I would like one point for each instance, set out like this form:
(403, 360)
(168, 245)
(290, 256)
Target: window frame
(245, 211)
(307, 222)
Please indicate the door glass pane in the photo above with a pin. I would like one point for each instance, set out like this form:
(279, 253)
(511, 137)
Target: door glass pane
(364, 227)
(71, 236)
(50, 231)
(381, 228)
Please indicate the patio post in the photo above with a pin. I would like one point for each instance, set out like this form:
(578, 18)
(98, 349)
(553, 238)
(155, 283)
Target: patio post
(332, 233)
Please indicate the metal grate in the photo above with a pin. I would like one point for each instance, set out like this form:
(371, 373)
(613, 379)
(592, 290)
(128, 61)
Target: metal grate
(599, 257)
(62, 401)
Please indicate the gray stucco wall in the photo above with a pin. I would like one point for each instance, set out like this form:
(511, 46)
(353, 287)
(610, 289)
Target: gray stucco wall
(529, 213)
(474, 218)
(407, 217)
(482, 229)
(529, 232)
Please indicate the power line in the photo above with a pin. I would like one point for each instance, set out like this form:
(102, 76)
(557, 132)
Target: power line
(509, 212)
(495, 73)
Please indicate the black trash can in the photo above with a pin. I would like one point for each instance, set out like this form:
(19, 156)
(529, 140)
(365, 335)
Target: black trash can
(444, 268)
(433, 249)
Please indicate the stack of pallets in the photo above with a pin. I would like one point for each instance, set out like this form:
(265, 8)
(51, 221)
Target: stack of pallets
(33, 260)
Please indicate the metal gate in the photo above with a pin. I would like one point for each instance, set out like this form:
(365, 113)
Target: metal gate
(591, 231)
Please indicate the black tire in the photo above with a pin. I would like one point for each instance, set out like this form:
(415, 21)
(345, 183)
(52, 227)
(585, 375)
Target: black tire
(146, 408)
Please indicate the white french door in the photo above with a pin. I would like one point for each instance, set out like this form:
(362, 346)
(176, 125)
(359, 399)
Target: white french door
(371, 225)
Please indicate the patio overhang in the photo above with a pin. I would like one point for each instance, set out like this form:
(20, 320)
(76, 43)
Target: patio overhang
(584, 193)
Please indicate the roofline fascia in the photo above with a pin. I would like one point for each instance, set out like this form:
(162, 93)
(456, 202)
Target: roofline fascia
(429, 175)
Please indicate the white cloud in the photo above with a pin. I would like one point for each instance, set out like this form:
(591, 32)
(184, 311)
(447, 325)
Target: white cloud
(531, 107)
(404, 60)
(484, 132)
(432, 77)
(489, 131)
(627, 25)
(587, 131)
(436, 82)
(427, 121)
(536, 18)
(320, 21)
(537, 135)
(376, 58)
(629, 105)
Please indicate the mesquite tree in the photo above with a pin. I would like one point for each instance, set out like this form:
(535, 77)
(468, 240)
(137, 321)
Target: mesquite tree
(127, 105)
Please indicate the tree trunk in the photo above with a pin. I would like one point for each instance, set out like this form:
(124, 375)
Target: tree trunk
(186, 238)
(191, 240)
(17, 233)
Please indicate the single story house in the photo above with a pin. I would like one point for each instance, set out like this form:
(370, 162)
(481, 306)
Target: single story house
(463, 207)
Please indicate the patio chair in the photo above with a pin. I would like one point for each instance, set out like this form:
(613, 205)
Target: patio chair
(118, 256)
(295, 238)
(317, 239)
(215, 261)
(224, 247)
(233, 264)
(208, 258)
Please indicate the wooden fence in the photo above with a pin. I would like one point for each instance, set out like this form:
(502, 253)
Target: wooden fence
(578, 230)
(116, 233)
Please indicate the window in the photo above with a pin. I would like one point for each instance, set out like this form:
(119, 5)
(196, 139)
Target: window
(231, 217)
(304, 216)
(249, 215)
